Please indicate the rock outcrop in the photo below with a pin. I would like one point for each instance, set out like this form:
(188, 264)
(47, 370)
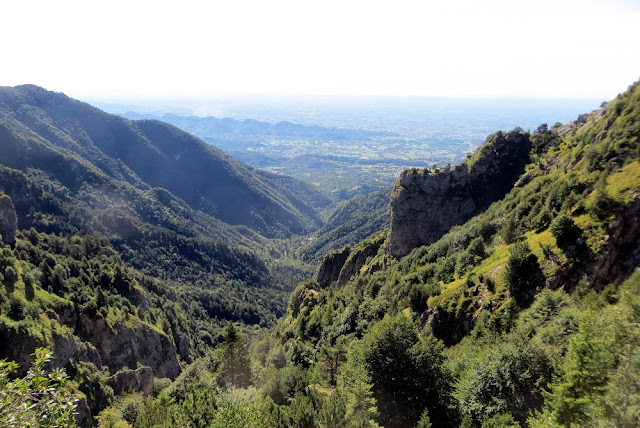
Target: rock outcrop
(425, 205)
(138, 380)
(8, 220)
(357, 260)
(124, 342)
(331, 265)
(342, 265)
(621, 254)
(85, 337)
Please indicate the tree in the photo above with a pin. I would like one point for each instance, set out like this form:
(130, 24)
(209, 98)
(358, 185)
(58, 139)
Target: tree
(37, 399)
(565, 230)
(406, 373)
(509, 229)
(543, 139)
(235, 370)
(355, 384)
(505, 380)
(522, 273)
(330, 359)
(425, 421)
(585, 375)
(333, 412)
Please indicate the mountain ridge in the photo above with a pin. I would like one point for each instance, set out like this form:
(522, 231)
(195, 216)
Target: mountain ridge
(173, 159)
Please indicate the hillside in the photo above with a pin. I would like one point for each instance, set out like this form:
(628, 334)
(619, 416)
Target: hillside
(504, 294)
(146, 154)
(504, 300)
(349, 223)
(128, 245)
(523, 313)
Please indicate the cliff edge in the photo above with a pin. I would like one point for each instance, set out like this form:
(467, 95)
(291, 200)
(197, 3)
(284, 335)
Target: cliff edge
(425, 205)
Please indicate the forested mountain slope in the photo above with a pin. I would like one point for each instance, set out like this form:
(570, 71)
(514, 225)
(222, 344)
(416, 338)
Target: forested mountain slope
(39, 125)
(350, 222)
(525, 314)
(514, 310)
(130, 244)
(518, 307)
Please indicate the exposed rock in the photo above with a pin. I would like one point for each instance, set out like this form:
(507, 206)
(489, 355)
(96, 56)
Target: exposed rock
(621, 255)
(83, 413)
(184, 347)
(424, 206)
(580, 121)
(69, 347)
(342, 265)
(122, 343)
(18, 344)
(357, 259)
(138, 380)
(331, 265)
(8, 220)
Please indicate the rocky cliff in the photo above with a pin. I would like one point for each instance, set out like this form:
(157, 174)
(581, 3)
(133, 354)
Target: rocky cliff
(8, 220)
(342, 265)
(621, 254)
(80, 336)
(331, 265)
(425, 205)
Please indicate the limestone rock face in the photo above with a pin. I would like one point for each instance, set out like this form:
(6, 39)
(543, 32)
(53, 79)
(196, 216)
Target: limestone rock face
(120, 344)
(424, 205)
(356, 260)
(621, 254)
(331, 266)
(8, 220)
(342, 265)
(138, 380)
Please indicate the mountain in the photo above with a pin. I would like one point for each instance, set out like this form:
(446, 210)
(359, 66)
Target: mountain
(505, 293)
(509, 299)
(210, 127)
(349, 223)
(425, 205)
(146, 155)
(128, 245)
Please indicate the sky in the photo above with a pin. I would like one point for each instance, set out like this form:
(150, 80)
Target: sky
(130, 50)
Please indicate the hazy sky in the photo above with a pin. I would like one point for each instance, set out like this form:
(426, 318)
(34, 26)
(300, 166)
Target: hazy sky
(118, 50)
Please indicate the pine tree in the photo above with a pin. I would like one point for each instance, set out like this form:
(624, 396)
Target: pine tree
(236, 370)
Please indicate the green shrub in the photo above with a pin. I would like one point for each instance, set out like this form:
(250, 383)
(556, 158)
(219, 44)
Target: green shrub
(18, 408)
(565, 230)
(522, 273)
(542, 220)
(16, 307)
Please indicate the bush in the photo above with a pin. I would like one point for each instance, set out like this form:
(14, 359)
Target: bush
(16, 307)
(522, 273)
(418, 297)
(18, 408)
(565, 230)
(10, 276)
(542, 220)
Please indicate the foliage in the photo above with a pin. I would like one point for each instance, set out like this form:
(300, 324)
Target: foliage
(37, 399)
(522, 272)
(406, 373)
(564, 229)
(235, 366)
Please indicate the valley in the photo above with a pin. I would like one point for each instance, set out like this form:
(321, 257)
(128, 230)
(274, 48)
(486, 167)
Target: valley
(337, 278)
(349, 146)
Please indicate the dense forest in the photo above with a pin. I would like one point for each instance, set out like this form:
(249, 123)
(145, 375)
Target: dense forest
(522, 309)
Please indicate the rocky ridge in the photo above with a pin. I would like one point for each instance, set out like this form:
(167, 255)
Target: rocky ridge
(425, 205)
